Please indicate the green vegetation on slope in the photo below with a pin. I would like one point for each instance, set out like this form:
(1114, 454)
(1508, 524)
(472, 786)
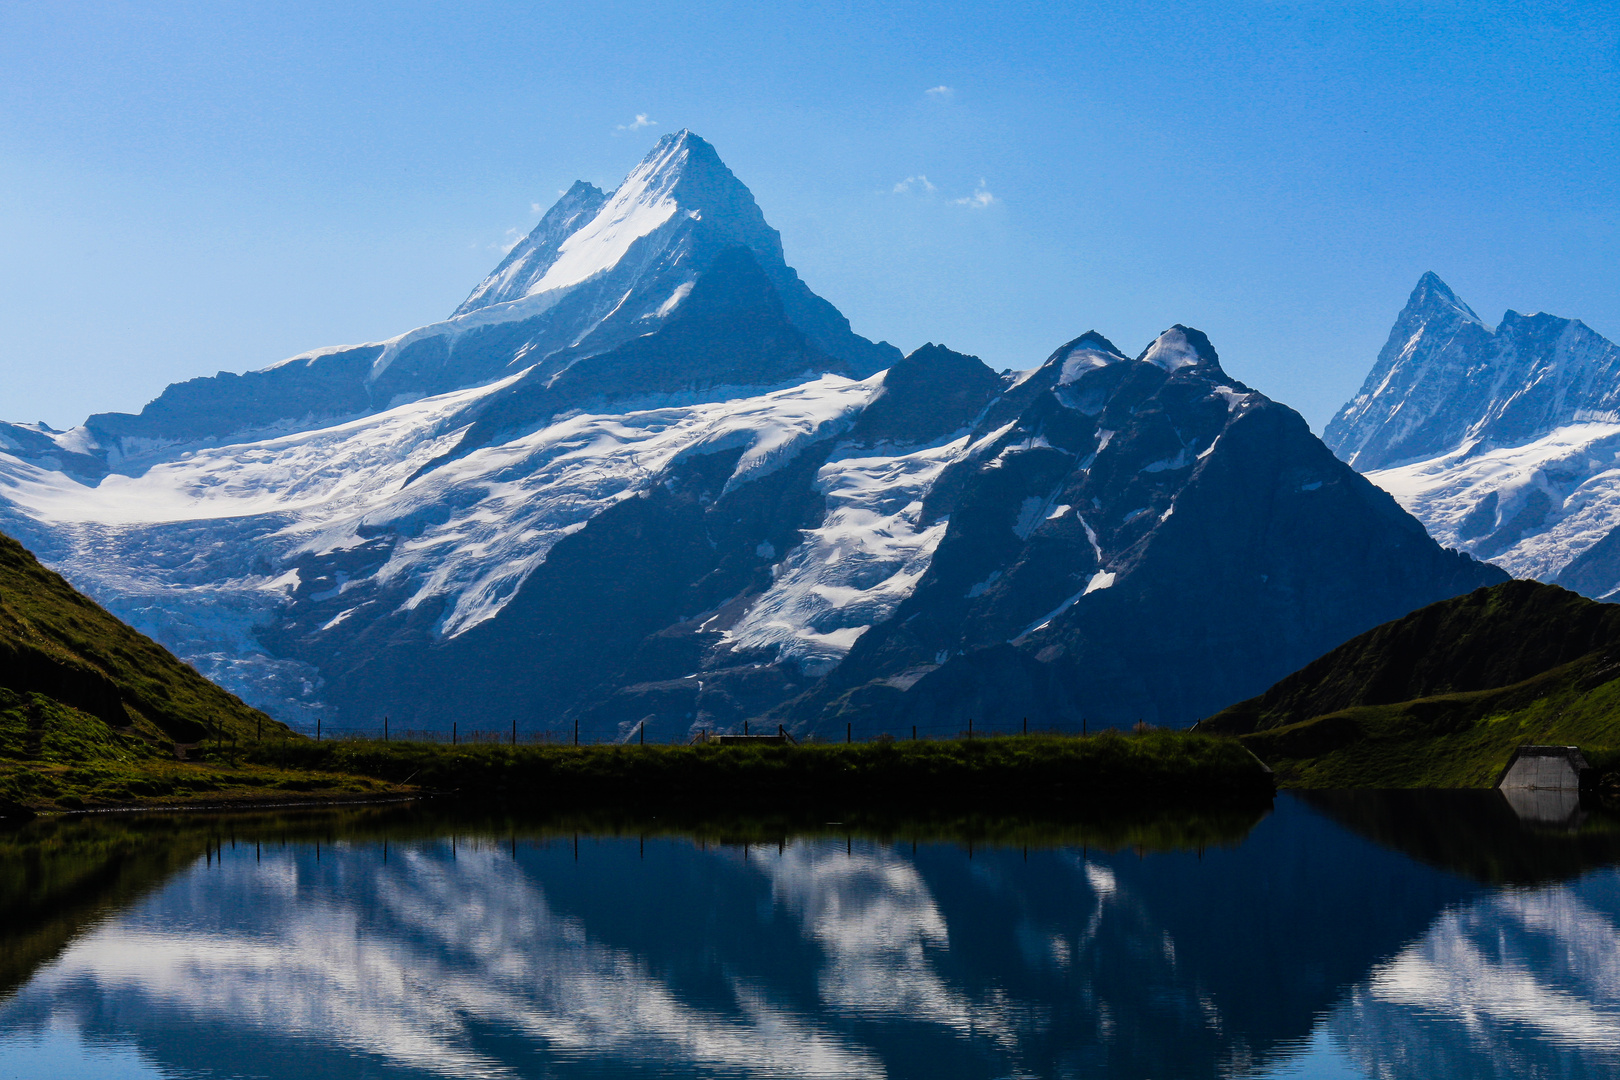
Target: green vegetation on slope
(1442, 697)
(57, 642)
(53, 757)
(95, 714)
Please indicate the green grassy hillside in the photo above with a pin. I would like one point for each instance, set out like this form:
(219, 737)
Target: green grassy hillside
(56, 642)
(1442, 697)
(93, 713)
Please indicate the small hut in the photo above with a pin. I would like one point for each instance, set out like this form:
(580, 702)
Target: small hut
(1546, 768)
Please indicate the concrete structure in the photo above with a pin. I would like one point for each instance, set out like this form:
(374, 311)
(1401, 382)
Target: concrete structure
(1543, 784)
(1546, 768)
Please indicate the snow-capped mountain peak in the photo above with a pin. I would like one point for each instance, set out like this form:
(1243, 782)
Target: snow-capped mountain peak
(1445, 379)
(1502, 441)
(1088, 351)
(1179, 347)
(588, 233)
(600, 270)
(532, 256)
(1431, 296)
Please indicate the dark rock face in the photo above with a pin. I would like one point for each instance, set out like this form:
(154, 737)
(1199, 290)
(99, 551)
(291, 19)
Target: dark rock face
(1445, 379)
(1139, 544)
(930, 392)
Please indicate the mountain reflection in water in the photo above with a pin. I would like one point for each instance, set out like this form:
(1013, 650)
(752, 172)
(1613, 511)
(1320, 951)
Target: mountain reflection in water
(406, 945)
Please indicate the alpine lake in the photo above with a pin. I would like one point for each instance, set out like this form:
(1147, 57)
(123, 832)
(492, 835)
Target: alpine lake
(1353, 934)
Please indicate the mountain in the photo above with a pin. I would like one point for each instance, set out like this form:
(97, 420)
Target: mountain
(1504, 442)
(1443, 696)
(682, 495)
(61, 646)
(599, 271)
(1133, 539)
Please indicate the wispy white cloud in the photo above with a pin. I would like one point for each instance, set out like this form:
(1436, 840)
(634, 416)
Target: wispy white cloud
(638, 123)
(940, 91)
(535, 208)
(980, 198)
(913, 183)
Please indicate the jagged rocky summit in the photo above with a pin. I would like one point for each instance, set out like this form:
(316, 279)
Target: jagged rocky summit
(644, 477)
(1504, 442)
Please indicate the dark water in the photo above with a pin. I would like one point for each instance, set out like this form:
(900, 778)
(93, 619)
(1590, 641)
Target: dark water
(1345, 936)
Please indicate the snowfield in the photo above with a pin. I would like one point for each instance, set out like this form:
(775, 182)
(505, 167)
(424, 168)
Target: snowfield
(854, 570)
(198, 551)
(1562, 490)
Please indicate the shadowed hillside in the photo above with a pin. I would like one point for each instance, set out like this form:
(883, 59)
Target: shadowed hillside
(1442, 697)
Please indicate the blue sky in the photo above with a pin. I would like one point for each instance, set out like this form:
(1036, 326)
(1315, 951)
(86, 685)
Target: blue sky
(191, 187)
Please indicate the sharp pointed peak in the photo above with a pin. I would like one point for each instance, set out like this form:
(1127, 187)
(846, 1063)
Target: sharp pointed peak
(1179, 347)
(681, 152)
(1430, 294)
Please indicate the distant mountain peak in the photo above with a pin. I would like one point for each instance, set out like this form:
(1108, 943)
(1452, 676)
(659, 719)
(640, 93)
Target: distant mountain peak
(1433, 295)
(1179, 347)
(1089, 350)
(1446, 380)
(588, 232)
(600, 269)
(1090, 341)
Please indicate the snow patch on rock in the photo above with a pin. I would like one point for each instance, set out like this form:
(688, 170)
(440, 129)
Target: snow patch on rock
(853, 570)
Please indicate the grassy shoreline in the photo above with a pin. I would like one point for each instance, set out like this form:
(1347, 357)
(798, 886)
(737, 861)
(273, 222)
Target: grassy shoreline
(1157, 767)
(991, 775)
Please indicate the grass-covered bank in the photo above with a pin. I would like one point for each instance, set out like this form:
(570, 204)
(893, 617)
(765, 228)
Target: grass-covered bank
(1460, 740)
(56, 757)
(1442, 697)
(989, 775)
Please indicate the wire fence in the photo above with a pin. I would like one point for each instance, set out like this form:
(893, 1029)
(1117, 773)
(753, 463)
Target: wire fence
(649, 733)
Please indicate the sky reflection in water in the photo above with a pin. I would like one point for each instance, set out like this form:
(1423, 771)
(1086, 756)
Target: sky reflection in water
(1307, 950)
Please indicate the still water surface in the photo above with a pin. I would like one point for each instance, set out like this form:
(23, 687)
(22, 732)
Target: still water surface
(1344, 936)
